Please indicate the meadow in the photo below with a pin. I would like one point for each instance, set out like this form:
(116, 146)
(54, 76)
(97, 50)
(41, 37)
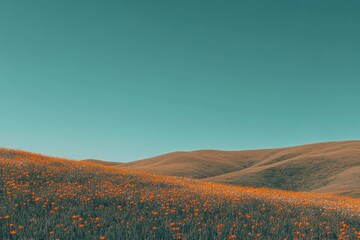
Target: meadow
(44, 197)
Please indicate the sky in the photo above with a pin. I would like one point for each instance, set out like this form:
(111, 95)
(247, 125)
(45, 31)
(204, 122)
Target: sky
(126, 80)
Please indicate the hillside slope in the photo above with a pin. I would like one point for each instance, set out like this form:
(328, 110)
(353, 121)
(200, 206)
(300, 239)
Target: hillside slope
(101, 162)
(51, 198)
(320, 167)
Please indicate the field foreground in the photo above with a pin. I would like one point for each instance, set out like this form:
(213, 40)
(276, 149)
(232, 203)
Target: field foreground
(51, 198)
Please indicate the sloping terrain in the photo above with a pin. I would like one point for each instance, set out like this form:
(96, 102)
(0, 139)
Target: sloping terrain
(321, 167)
(101, 162)
(51, 198)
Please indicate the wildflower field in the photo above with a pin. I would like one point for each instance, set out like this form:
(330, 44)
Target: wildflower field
(51, 198)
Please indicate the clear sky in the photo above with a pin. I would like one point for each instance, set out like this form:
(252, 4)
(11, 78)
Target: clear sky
(125, 80)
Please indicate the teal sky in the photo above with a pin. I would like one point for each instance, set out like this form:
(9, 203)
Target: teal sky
(125, 80)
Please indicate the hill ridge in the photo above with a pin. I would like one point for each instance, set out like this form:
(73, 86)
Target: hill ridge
(308, 167)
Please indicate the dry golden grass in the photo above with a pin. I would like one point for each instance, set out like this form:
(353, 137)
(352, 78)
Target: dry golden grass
(51, 198)
(101, 162)
(322, 167)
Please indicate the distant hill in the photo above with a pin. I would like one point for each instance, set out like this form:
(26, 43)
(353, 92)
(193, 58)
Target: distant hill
(101, 162)
(320, 167)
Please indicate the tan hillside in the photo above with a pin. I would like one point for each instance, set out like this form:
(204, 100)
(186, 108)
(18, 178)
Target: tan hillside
(101, 162)
(320, 167)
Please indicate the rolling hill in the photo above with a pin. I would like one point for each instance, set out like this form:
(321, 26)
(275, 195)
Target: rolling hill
(46, 197)
(101, 162)
(321, 167)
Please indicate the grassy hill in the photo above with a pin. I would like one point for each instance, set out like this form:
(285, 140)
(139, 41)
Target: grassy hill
(321, 167)
(51, 198)
(101, 162)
